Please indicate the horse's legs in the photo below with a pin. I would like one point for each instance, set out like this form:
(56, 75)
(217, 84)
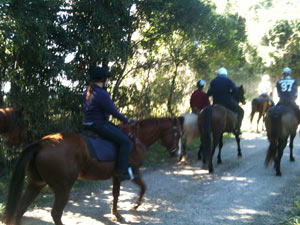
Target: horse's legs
(251, 117)
(138, 181)
(30, 194)
(200, 152)
(220, 148)
(281, 146)
(238, 140)
(116, 193)
(61, 195)
(259, 117)
(292, 159)
(215, 144)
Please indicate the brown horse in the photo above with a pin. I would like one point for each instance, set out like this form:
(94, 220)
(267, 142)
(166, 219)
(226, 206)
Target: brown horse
(261, 104)
(281, 123)
(58, 160)
(13, 125)
(215, 120)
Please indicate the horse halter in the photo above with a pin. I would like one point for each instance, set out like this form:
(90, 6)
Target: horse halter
(176, 126)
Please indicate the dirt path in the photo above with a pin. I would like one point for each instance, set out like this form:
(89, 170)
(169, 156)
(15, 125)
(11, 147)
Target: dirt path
(241, 191)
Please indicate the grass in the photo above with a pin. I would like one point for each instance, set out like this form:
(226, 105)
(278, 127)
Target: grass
(295, 219)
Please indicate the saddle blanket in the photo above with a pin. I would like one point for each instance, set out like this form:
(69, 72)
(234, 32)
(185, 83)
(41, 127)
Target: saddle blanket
(101, 149)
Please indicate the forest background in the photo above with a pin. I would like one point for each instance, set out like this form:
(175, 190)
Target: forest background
(156, 51)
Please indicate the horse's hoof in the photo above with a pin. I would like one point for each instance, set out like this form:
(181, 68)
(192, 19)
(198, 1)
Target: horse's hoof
(219, 161)
(292, 159)
(240, 155)
(116, 217)
(211, 170)
(278, 174)
(134, 208)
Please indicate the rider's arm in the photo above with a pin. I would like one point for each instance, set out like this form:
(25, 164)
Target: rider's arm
(295, 88)
(232, 86)
(108, 105)
(278, 87)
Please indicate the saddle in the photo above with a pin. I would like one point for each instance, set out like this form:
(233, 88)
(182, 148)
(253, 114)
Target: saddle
(101, 149)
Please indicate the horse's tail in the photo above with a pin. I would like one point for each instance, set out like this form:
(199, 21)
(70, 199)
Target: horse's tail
(273, 136)
(17, 182)
(206, 130)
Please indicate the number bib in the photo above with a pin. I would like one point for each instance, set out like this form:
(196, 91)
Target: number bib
(286, 85)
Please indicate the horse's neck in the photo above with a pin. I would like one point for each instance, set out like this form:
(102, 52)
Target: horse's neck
(149, 135)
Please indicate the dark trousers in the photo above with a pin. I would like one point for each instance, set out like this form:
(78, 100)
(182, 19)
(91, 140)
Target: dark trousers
(234, 106)
(111, 132)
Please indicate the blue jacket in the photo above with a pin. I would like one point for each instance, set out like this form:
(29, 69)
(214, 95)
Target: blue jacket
(287, 89)
(99, 107)
(221, 89)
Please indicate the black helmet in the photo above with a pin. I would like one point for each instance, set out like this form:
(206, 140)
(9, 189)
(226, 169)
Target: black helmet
(99, 73)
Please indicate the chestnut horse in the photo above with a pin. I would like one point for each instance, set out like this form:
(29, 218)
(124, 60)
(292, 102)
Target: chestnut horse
(215, 120)
(58, 160)
(13, 125)
(261, 104)
(281, 123)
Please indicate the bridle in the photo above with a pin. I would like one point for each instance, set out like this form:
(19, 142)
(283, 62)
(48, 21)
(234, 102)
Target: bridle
(176, 126)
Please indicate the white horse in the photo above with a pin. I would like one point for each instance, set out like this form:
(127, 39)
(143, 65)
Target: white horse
(190, 128)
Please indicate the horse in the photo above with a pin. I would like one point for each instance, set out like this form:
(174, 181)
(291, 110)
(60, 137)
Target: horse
(281, 123)
(190, 130)
(215, 120)
(261, 104)
(59, 159)
(13, 125)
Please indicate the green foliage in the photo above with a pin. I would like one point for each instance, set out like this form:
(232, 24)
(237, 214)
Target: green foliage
(285, 36)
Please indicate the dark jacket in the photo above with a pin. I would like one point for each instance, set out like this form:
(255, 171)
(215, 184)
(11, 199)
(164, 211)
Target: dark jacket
(99, 107)
(287, 89)
(222, 89)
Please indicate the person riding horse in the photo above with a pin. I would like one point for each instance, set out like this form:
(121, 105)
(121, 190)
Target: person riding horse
(97, 108)
(222, 90)
(287, 89)
(199, 99)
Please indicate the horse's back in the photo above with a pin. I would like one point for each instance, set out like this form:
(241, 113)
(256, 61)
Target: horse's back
(67, 155)
(219, 117)
(286, 118)
(190, 124)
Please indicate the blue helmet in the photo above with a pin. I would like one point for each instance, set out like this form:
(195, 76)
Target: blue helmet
(286, 71)
(200, 83)
(222, 71)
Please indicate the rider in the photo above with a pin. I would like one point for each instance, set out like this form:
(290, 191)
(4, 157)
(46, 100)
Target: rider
(199, 99)
(287, 89)
(222, 89)
(97, 108)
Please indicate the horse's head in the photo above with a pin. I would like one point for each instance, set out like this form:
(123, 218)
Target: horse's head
(171, 138)
(17, 132)
(239, 95)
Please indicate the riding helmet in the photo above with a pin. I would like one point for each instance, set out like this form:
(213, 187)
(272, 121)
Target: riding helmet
(99, 73)
(200, 83)
(222, 71)
(286, 71)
